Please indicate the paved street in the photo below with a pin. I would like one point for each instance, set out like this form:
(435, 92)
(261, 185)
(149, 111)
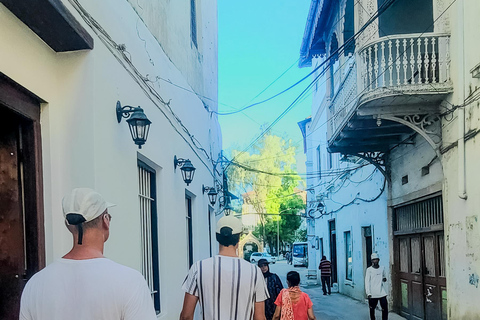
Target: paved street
(334, 307)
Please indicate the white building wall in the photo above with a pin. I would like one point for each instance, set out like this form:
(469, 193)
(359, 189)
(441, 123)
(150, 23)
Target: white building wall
(336, 190)
(167, 20)
(408, 160)
(353, 219)
(460, 215)
(84, 146)
(462, 230)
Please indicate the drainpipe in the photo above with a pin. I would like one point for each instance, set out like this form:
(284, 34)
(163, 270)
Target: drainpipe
(462, 189)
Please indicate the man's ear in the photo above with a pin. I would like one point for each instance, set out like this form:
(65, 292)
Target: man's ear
(106, 221)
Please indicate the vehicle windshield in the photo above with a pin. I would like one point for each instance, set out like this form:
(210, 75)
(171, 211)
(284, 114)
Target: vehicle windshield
(299, 251)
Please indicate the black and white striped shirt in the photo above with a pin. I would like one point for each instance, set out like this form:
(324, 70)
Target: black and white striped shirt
(227, 287)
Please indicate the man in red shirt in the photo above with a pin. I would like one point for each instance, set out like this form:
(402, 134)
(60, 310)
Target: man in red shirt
(326, 268)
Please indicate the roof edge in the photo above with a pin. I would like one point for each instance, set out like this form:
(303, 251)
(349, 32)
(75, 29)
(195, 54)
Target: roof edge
(305, 60)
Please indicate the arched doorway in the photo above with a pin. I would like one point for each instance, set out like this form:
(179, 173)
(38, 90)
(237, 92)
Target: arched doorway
(250, 242)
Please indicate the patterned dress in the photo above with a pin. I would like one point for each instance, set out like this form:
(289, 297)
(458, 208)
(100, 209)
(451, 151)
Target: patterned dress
(274, 286)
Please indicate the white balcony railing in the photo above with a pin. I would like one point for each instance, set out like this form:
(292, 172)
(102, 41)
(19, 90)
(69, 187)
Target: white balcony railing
(395, 64)
(404, 60)
(344, 100)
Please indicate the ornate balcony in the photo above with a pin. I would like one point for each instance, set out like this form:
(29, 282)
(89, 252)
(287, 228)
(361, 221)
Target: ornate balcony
(397, 77)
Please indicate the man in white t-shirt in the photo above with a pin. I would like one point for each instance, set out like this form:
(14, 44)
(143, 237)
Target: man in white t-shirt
(84, 284)
(375, 281)
(226, 286)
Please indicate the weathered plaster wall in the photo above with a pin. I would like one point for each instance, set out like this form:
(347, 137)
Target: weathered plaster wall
(462, 216)
(169, 22)
(83, 145)
(408, 160)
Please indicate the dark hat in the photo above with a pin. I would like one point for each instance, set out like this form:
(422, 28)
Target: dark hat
(261, 262)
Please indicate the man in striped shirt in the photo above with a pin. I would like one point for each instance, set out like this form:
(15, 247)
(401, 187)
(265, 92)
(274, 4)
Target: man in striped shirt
(225, 286)
(326, 268)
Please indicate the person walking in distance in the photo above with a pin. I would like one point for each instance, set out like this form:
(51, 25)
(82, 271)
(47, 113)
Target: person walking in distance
(225, 286)
(326, 274)
(375, 282)
(274, 286)
(292, 303)
(84, 284)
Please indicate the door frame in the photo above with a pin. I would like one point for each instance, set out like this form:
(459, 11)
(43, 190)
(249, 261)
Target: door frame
(23, 108)
(27, 105)
(332, 234)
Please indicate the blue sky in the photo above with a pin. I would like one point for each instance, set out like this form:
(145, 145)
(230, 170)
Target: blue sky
(258, 40)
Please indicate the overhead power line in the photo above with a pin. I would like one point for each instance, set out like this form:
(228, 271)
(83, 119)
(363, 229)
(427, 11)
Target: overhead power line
(332, 55)
(340, 110)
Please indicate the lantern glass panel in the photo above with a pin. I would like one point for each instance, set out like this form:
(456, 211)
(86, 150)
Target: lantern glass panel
(212, 197)
(188, 176)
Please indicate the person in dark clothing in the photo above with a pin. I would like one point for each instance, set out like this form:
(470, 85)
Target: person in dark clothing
(274, 286)
(326, 273)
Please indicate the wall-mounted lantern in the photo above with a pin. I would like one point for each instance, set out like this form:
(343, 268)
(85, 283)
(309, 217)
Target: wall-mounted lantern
(228, 209)
(188, 170)
(212, 194)
(137, 122)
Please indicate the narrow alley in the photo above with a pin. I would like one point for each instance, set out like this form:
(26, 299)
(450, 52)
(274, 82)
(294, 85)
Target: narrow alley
(334, 307)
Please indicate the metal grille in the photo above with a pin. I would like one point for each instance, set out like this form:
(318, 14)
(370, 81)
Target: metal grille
(147, 214)
(419, 215)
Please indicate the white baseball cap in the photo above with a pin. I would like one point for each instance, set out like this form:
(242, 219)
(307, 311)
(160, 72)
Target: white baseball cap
(374, 256)
(84, 202)
(230, 222)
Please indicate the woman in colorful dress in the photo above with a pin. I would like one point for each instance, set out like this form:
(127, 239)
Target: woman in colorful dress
(274, 286)
(292, 303)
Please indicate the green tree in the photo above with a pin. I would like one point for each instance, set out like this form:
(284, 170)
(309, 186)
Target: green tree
(301, 235)
(268, 174)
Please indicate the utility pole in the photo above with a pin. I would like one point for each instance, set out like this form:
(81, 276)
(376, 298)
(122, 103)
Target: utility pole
(262, 217)
(278, 237)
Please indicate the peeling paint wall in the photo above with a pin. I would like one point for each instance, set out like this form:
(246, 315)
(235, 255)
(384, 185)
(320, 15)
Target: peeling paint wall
(462, 216)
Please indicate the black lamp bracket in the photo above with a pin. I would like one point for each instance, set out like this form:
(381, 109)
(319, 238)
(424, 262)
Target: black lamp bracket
(178, 162)
(125, 111)
(206, 189)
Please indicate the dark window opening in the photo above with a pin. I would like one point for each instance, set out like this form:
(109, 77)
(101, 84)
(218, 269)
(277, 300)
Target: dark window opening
(349, 29)
(425, 170)
(188, 202)
(334, 48)
(333, 249)
(406, 16)
(348, 256)
(193, 22)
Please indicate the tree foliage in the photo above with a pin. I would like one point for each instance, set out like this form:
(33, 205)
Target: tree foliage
(272, 196)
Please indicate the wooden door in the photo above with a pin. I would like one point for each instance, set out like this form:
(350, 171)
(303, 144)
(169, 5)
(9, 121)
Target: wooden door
(421, 276)
(435, 289)
(12, 237)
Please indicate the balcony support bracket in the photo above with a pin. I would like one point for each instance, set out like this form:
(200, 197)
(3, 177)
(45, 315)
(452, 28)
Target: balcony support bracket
(376, 158)
(422, 124)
